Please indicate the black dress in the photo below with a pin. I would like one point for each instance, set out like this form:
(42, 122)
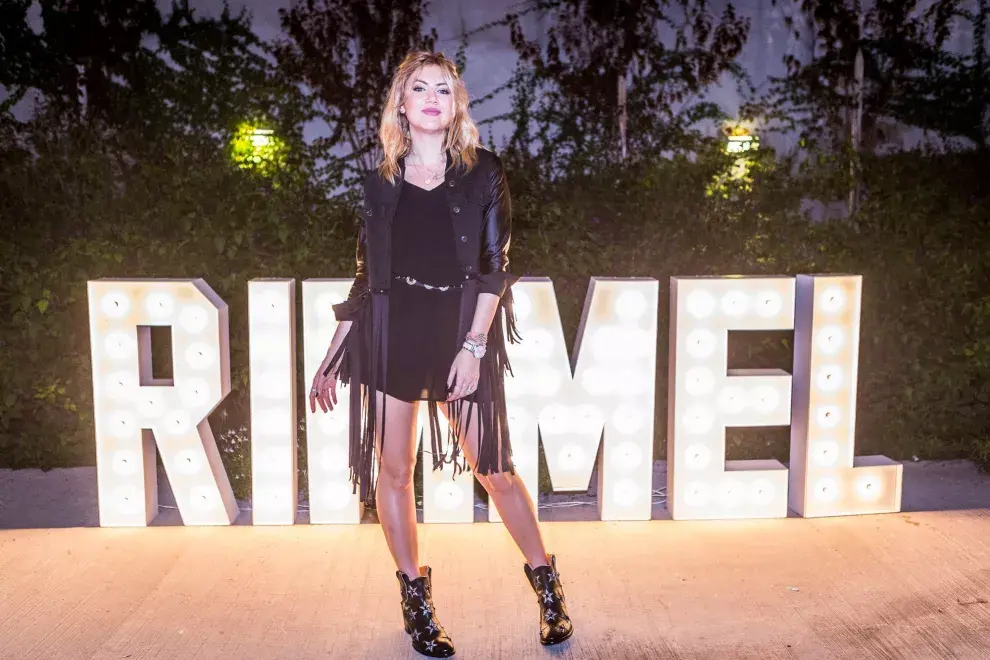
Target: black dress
(422, 329)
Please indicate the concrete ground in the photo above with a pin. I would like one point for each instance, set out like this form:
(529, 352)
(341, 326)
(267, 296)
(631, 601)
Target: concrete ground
(908, 585)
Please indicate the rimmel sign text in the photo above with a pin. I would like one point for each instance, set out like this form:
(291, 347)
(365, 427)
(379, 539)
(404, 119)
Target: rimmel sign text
(604, 393)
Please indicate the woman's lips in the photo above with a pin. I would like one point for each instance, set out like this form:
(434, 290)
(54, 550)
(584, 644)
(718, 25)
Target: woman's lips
(433, 112)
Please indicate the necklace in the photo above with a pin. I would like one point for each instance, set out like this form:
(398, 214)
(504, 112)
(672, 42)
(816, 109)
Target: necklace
(434, 176)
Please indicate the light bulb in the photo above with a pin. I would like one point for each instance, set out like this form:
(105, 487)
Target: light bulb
(696, 494)
(271, 348)
(267, 499)
(200, 355)
(697, 420)
(193, 318)
(539, 345)
(731, 493)
(546, 382)
(555, 419)
(762, 492)
(115, 304)
(332, 423)
(868, 488)
(524, 460)
(830, 339)
(334, 458)
(627, 455)
(194, 392)
(700, 304)
(732, 400)
(269, 307)
(127, 500)
(627, 419)
(827, 416)
(275, 459)
(275, 421)
(570, 457)
(125, 462)
(177, 423)
(159, 305)
(448, 496)
(768, 304)
(149, 402)
(515, 387)
(274, 385)
(599, 381)
(697, 456)
(700, 381)
(764, 399)
(120, 385)
(700, 343)
(829, 378)
(832, 299)
(522, 306)
(735, 303)
(204, 498)
(336, 497)
(518, 421)
(630, 305)
(119, 345)
(122, 424)
(188, 462)
(826, 489)
(626, 492)
(825, 453)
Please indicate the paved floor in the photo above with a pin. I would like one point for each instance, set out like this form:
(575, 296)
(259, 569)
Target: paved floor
(909, 585)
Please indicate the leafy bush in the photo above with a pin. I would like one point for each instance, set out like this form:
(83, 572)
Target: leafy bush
(82, 206)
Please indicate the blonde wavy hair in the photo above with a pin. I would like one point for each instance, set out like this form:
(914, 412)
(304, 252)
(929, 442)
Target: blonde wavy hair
(461, 138)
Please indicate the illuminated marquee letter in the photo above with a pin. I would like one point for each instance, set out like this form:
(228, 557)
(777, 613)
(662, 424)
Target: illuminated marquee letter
(612, 390)
(331, 499)
(133, 410)
(705, 397)
(826, 479)
(274, 473)
(446, 498)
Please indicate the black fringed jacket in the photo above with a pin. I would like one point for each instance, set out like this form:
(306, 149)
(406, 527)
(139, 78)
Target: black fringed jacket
(480, 216)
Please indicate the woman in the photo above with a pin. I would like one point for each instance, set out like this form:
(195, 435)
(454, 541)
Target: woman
(424, 322)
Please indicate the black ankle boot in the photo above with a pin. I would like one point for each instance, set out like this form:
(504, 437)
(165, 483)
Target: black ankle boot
(555, 625)
(428, 636)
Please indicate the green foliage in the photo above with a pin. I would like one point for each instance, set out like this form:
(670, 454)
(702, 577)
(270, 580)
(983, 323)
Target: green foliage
(346, 52)
(921, 242)
(567, 107)
(908, 77)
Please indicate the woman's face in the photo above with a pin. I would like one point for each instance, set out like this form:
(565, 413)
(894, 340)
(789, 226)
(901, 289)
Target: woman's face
(428, 102)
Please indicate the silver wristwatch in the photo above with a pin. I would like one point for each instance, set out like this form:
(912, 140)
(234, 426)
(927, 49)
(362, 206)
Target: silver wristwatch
(476, 350)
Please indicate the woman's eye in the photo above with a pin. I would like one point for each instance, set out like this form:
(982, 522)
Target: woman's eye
(418, 88)
(445, 91)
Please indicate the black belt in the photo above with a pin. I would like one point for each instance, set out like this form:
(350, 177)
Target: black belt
(412, 281)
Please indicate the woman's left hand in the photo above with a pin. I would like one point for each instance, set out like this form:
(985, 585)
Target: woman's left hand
(464, 374)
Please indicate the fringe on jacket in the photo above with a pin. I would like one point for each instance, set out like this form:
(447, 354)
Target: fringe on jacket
(364, 356)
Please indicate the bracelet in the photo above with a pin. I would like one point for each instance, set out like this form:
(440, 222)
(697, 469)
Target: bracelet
(477, 338)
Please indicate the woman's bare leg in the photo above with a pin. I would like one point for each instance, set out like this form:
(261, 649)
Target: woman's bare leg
(509, 494)
(394, 490)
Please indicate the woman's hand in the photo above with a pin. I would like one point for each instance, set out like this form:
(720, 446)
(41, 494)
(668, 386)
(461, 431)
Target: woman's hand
(464, 374)
(324, 389)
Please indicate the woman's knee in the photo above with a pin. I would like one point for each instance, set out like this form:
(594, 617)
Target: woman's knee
(498, 483)
(396, 476)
